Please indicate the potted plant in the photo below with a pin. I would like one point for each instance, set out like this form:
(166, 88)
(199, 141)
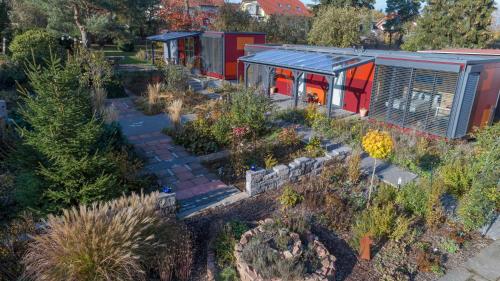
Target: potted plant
(363, 112)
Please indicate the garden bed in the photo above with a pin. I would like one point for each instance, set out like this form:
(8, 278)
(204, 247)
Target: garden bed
(411, 241)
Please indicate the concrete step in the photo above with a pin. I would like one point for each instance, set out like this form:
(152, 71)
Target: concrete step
(210, 200)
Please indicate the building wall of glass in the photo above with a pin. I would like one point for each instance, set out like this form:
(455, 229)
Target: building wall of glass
(412, 98)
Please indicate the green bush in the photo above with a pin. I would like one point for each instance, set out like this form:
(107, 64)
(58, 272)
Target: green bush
(37, 44)
(376, 221)
(477, 207)
(114, 88)
(125, 44)
(9, 74)
(228, 274)
(248, 109)
(456, 176)
(175, 77)
(413, 199)
(226, 241)
(290, 198)
(197, 137)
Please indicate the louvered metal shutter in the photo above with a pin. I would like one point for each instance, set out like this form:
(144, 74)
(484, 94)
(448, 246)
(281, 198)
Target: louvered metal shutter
(419, 99)
(467, 102)
(212, 54)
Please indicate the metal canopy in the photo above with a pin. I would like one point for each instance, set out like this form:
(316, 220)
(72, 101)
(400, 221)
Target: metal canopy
(313, 62)
(169, 36)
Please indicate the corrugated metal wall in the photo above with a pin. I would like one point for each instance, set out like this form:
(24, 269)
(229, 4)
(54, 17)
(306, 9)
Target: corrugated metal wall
(412, 98)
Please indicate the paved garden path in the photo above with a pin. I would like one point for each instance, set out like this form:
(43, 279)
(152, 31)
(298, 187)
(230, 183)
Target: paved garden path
(485, 266)
(386, 172)
(195, 187)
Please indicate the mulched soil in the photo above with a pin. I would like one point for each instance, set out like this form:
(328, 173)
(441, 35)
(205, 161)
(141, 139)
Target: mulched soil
(349, 268)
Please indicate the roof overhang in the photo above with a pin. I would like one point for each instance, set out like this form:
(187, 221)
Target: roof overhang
(174, 35)
(329, 64)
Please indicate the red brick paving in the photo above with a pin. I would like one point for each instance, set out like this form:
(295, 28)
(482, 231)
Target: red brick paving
(160, 148)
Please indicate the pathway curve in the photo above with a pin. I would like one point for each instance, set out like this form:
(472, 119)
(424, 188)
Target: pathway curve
(195, 187)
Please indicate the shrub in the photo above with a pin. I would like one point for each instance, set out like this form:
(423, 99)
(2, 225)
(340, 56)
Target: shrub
(226, 241)
(313, 147)
(175, 77)
(248, 109)
(197, 137)
(270, 161)
(268, 263)
(413, 198)
(14, 244)
(10, 73)
(477, 208)
(375, 221)
(37, 44)
(455, 176)
(288, 136)
(295, 116)
(125, 44)
(289, 198)
(354, 166)
(228, 274)
(449, 246)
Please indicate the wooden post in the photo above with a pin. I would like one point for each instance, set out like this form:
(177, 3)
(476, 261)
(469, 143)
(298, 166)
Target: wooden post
(246, 74)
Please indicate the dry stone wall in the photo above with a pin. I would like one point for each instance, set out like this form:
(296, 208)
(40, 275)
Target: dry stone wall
(262, 180)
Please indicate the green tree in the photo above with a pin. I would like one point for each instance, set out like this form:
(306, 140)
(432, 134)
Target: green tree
(286, 29)
(27, 14)
(339, 27)
(4, 17)
(233, 20)
(73, 166)
(403, 11)
(453, 23)
(35, 44)
(348, 3)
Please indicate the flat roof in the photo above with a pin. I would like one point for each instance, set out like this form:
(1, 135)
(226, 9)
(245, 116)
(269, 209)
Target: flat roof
(466, 51)
(457, 58)
(307, 61)
(173, 35)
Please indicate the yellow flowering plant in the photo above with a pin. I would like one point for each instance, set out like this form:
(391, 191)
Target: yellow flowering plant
(378, 145)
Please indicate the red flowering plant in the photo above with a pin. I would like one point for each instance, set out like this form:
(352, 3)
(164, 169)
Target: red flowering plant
(174, 13)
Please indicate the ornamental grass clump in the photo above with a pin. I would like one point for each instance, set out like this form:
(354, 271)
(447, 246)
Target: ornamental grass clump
(379, 146)
(118, 240)
(174, 111)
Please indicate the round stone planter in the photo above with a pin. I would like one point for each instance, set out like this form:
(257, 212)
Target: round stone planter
(325, 273)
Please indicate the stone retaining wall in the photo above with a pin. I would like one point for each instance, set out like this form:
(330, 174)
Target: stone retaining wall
(167, 203)
(261, 180)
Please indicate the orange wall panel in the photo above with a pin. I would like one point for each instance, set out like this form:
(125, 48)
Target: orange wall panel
(486, 96)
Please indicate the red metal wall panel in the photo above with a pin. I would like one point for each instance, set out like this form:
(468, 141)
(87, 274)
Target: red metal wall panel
(487, 93)
(234, 44)
(358, 87)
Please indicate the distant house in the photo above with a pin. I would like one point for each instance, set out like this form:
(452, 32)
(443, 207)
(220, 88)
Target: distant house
(205, 6)
(262, 9)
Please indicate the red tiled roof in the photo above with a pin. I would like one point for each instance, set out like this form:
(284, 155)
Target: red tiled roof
(196, 3)
(465, 51)
(284, 7)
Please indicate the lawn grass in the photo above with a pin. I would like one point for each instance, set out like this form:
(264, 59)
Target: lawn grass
(128, 57)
